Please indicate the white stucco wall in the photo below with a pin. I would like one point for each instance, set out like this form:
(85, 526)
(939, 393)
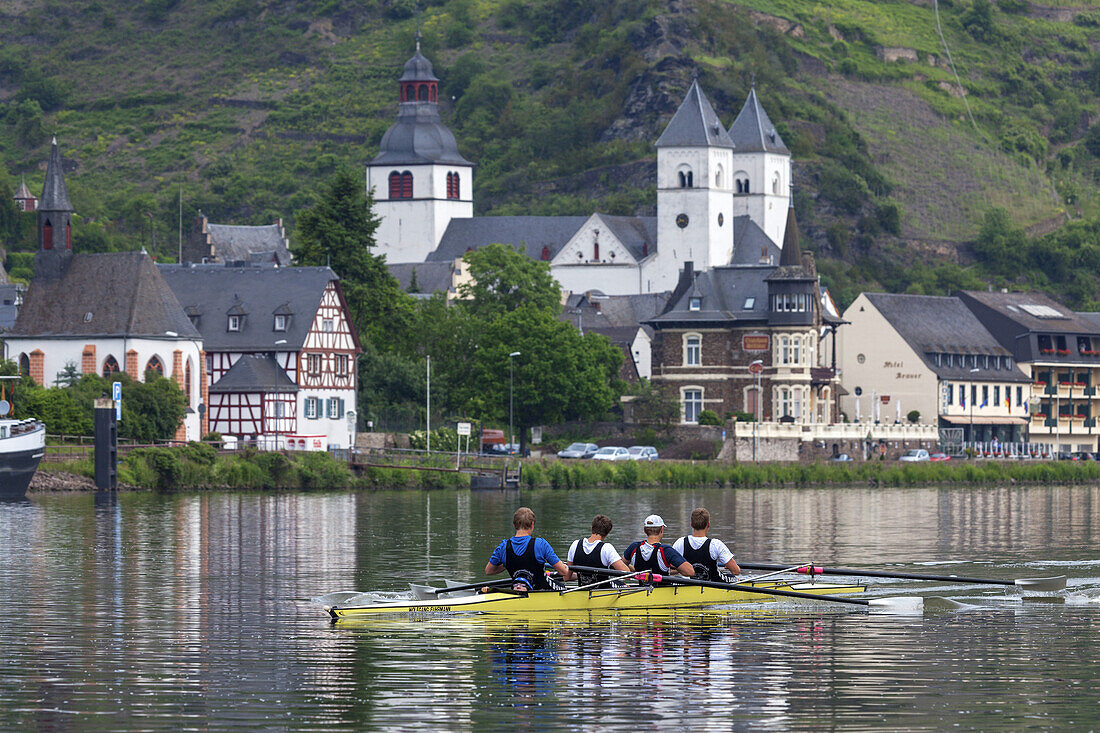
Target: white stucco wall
(411, 228)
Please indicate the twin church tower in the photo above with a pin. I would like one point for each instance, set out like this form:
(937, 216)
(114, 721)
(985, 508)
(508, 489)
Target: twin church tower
(708, 178)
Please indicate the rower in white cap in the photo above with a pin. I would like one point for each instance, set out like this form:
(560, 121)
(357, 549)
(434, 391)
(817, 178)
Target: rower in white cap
(651, 555)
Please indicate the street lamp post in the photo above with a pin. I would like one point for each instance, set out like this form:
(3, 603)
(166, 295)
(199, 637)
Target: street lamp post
(511, 399)
(973, 396)
(278, 401)
(429, 402)
(756, 367)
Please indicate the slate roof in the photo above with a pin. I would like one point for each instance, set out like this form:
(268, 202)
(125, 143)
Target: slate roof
(937, 324)
(750, 242)
(55, 196)
(1010, 307)
(418, 68)
(753, 130)
(254, 373)
(607, 313)
(258, 293)
(111, 294)
(637, 233)
(792, 266)
(530, 233)
(695, 124)
(432, 277)
(234, 243)
(23, 192)
(725, 292)
(9, 311)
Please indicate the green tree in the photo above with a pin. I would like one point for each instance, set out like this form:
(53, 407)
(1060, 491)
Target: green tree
(1001, 245)
(654, 406)
(504, 278)
(338, 231)
(559, 374)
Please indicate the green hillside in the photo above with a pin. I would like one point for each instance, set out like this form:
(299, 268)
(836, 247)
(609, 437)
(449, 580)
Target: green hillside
(248, 106)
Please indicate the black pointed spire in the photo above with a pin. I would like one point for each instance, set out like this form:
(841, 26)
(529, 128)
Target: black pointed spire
(55, 197)
(792, 252)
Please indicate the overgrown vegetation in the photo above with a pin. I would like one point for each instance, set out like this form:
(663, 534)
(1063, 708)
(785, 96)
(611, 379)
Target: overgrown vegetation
(199, 466)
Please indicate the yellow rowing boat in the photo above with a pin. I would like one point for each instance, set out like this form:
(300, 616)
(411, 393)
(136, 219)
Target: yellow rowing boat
(633, 598)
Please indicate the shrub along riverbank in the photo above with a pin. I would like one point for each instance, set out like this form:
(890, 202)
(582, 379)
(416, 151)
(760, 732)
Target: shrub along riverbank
(198, 466)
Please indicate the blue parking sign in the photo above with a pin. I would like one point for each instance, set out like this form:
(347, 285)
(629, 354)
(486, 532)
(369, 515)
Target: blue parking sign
(116, 391)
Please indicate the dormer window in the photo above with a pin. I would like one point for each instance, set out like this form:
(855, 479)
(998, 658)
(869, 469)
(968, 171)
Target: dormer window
(234, 323)
(750, 303)
(280, 323)
(695, 304)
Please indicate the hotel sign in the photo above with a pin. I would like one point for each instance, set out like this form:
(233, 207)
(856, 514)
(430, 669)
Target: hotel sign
(755, 342)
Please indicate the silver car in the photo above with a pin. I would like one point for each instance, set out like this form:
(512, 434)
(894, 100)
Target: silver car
(579, 450)
(642, 453)
(612, 453)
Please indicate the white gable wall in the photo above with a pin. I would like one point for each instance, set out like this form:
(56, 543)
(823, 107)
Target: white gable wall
(412, 228)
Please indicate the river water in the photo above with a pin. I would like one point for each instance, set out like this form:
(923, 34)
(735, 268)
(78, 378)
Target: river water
(191, 612)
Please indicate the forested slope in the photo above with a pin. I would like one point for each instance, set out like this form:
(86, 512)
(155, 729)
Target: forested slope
(249, 106)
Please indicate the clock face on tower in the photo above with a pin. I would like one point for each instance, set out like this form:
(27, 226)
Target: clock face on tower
(682, 220)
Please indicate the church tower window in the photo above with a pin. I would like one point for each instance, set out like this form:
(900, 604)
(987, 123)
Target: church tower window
(110, 366)
(401, 185)
(47, 235)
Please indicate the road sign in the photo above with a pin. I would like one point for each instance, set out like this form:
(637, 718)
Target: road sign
(756, 367)
(116, 391)
(464, 428)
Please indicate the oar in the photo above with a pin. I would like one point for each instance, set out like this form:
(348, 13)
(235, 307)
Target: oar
(427, 592)
(907, 604)
(1058, 582)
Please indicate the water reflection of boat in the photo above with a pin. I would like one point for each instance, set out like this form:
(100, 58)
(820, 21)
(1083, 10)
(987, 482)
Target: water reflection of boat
(22, 445)
(633, 599)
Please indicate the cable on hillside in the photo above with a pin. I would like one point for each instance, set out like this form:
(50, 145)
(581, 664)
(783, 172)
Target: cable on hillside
(939, 30)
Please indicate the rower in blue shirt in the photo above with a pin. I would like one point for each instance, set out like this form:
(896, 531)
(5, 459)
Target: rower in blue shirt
(654, 556)
(524, 556)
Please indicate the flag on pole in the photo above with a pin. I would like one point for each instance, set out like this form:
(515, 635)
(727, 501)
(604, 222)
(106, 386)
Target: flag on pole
(962, 397)
(1008, 401)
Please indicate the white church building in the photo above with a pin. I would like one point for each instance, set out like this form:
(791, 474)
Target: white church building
(712, 181)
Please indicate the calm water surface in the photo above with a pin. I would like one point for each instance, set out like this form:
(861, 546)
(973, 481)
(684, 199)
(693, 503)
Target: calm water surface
(191, 611)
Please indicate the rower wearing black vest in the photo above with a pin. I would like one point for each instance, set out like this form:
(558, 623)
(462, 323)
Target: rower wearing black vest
(524, 556)
(652, 555)
(709, 557)
(595, 552)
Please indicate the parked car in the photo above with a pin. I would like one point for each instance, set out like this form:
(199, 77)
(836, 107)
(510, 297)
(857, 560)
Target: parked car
(1085, 456)
(939, 457)
(612, 453)
(642, 453)
(916, 454)
(579, 450)
(841, 458)
(1068, 457)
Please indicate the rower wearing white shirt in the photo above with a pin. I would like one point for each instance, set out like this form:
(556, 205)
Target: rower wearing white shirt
(707, 555)
(595, 552)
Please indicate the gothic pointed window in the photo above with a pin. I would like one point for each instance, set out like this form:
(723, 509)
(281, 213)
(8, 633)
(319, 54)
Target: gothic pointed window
(47, 235)
(68, 235)
(24, 365)
(596, 251)
(155, 365)
(110, 366)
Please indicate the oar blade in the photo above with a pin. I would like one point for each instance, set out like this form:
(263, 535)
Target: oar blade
(903, 605)
(335, 599)
(1042, 584)
(423, 592)
(466, 590)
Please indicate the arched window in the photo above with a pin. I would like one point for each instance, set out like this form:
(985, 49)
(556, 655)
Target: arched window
(752, 401)
(596, 251)
(432, 93)
(683, 179)
(796, 350)
(775, 184)
(422, 93)
(745, 185)
(691, 183)
(684, 176)
(693, 349)
(154, 365)
(401, 185)
(783, 401)
(737, 185)
(47, 235)
(452, 186)
(458, 189)
(718, 177)
(546, 253)
(110, 366)
(24, 365)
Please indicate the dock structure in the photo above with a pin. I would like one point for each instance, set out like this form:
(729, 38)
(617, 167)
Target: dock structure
(486, 472)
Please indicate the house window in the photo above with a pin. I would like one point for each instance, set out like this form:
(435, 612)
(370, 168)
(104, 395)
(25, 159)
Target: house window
(750, 303)
(155, 365)
(313, 364)
(796, 350)
(973, 394)
(280, 323)
(234, 323)
(335, 408)
(996, 395)
(693, 350)
(693, 405)
(695, 304)
(312, 405)
(985, 395)
(327, 325)
(280, 410)
(1019, 397)
(341, 364)
(950, 394)
(110, 366)
(783, 401)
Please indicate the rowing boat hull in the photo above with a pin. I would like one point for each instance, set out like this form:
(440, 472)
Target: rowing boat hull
(597, 599)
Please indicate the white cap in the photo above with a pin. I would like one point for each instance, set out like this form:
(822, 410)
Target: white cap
(653, 520)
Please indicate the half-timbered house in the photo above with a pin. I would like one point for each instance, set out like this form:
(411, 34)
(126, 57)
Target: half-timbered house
(280, 352)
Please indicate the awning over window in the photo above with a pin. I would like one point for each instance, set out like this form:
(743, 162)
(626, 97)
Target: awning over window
(980, 420)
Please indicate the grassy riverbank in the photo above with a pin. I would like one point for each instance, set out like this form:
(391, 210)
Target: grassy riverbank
(198, 466)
